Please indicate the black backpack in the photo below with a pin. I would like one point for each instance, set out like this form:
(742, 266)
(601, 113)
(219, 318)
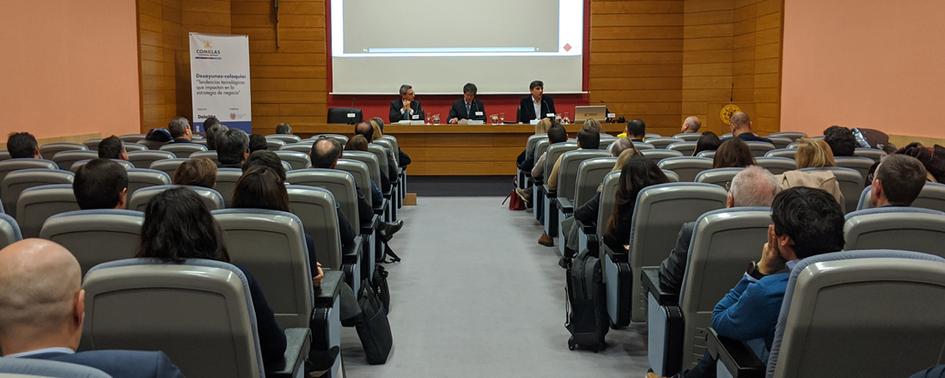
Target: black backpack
(587, 318)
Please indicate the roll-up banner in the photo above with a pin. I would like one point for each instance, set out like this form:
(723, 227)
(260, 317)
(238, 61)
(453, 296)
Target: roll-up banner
(219, 80)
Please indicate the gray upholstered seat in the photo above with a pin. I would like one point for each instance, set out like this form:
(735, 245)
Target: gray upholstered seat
(271, 245)
(383, 158)
(5, 155)
(851, 185)
(160, 302)
(872, 153)
(776, 165)
(96, 236)
(661, 143)
(274, 144)
(226, 183)
(92, 144)
(759, 148)
(706, 154)
(722, 240)
(362, 176)
(131, 138)
(142, 178)
(9, 231)
(550, 209)
(304, 147)
(686, 148)
(168, 165)
(132, 147)
(908, 228)
(532, 143)
(298, 159)
(590, 176)
(718, 176)
(780, 142)
(931, 197)
(659, 154)
(688, 137)
(9, 165)
(17, 181)
(287, 138)
(315, 207)
(670, 175)
(338, 137)
(65, 159)
(183, 150)
(782, 152)
(686, 167)
(38, 203)
(209, 154)
(571, 161)
(139, 200)
(652, 135)
(124, 163)
(144, 159)
(12, 367)
(368, 159)
(792, 135)
(49, 150)
(643, 146)
(859, 163)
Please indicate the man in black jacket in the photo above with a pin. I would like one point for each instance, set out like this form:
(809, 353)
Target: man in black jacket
(537, 101)
(406, 107)
(469, 107)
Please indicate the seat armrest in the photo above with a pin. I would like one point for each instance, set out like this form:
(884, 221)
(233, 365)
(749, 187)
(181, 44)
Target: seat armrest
(351, 256)
(298, 343)
(650, 279)
(617, 257)
(326, 293)
(566, 205)
(354, 250)
(368, 228)
(551, 195)
(734, 355)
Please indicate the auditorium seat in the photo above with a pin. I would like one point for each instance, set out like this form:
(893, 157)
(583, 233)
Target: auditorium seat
(685, 148)
(859, 163)
(931, 197)
(402, 179)
(183, 150)
(780, 142)
(851, 185)
(393, 157)
(142, 178)
(782, 153)
(656, 155)
(143, 159)
(686, 167)
(274, 144)
(362, 179)
(387, 162)
(149, 297)
(298, 159)
(304, 147)
(538, 200)
(92, 144)
(722, 241)
(725, 136)
(10, 165)
(590, 176)
(337, 137)
(209, 154)
(643, 146)
(17, 181)
(661, 143)
(571, 161)
(315, 207)
(688, 137)
(139, 200)
(368, 159)
(96, 236)
(869, 313)
(908, 228)
(129, 147)
(659, 213)
(652, 135)
(5, 155)
(550, 206)
(226, 183)
(670, 175)
(9, 231)
(124, 163)
(12, 367)
(718, 176)
(872, 153)
(50, 150)
(65, 159)
(168, 165)
(131, 138)
(776, 165)
(707, 154)
(38, 203)
(792, 135)
(287, 138)
(759, 148)
(590, 236)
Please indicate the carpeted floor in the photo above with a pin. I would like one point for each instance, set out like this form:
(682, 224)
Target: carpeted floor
(477, 296)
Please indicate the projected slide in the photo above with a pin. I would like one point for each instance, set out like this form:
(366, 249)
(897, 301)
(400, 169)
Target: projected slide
(438, 45)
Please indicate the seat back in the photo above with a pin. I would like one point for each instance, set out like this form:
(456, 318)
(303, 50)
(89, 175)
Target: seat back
(96, 236)
(608, 195)
(304, 147)
(341, 139)
(656, 155)
(209, 154)
(380, 153)
(659, 212)
(568, 171)
(340, 183)
(792, 135)
(298, 159)
(686, 167)
(851, 184)
(124, 163)
(274, 144)
(226, 183)
(168, 166)
(776, 165)
(707, 154)
(670, 175)
(540, 147)
(643, 146)
(49, 150)
(662, 143)
(859, 163)
(12, 367)
(17, 181)
(780, 142)
(533, 143)
(209, 301)
(38, 203)
(65, 159)
(9, 231)
(684, 148)
(139, 200)
(782, 153)
(872, 153)
(10, 165)
(142, 178)
(390, 146)
(722, 240)
(5, 155)
(315, 207)
(370, 160)
(908, 228)
(759, 148)
(131, 147)
(590, 176)
(881, 308)
(688, 137)
(143, 159)
(131, 138)
(286, 138)
(554, 152)
(271, 246)
(362, 178)
(718, 176)
(183, 150)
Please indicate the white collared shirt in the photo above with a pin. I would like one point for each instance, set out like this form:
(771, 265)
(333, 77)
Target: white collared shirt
(537, 105)
(42, 351)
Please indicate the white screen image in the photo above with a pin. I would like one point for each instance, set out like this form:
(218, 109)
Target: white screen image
(439, 45)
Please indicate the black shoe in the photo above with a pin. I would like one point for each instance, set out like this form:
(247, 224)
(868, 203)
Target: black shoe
(389, 229)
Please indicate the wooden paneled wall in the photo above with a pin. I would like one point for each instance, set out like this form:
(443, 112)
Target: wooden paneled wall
(757, 69)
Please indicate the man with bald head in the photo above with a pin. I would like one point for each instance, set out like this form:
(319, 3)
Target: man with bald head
(692, 124)
(42, 310)
(741, 128)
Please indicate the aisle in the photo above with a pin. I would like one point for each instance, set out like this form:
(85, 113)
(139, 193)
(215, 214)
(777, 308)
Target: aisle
(477, 296)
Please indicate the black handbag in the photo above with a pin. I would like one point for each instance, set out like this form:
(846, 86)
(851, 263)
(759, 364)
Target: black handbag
(381, 287)
(373, 329)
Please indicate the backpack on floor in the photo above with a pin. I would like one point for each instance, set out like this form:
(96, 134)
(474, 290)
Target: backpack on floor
(373, 327)
(587, 318)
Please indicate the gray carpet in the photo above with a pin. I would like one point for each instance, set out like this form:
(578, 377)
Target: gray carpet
(476, 296)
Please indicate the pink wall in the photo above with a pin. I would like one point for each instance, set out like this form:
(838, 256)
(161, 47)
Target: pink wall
(866, 63)
(68, 67)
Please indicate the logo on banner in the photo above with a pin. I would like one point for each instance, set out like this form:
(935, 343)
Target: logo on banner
(207, 52)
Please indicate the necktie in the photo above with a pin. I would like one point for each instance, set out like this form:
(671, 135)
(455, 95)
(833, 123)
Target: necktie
(467, 110)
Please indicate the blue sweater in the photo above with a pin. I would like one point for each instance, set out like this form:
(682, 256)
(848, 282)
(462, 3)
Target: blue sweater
(750, 310)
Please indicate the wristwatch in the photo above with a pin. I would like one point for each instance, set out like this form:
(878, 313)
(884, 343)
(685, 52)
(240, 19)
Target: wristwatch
(753, 271)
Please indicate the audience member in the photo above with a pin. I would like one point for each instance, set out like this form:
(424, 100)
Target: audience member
(44, 309)
(813, 153)
(101, 184)
(637, 174)
(379, 121)
(196, 172)
(284, 129)
(23, 145)
(741, 128)
(898, 181)
(232, 148)
(213, 133)
(112, 148)
(156, 138)
(556, 134)
(257, 142)
(209, 122)
(371, 132)
(588, 138)
(933, 158)
(733, 153)
(594, 125)
(692, 124)
(377, 131)
(526, 160)
(841, 140)
(178, 226)
(753, 186)
(265, 158)
(707, 142)
(180, 130)
(357, 143)
(636, 130)
(364, 128)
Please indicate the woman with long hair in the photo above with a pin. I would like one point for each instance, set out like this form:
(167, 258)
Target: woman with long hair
(814, 153)
(707, 142)
(637, 174)
(733, 153)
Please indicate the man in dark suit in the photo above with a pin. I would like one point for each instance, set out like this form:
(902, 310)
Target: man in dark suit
(43, 302)
(180, 130)
(535, 106)
(406, 107)
(469, 107)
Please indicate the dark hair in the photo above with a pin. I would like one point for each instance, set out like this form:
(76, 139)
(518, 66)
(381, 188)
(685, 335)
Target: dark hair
(902, 178)
(159, 135)
(231, 146)
(210, 121)
(265, 158)
(811, 217)
(110, 148)
(22, 145)
(536, 84)
(213, 133)
(98, 184)
(261, 188)
(707, 142)
(638, 173)
(283, 128)
(364, 128)
(636, 127)
(470, 88)
(557, 134)
(733, 153)
(841, 140)
(178, 126)
(931, 158)
(196, 172)
(178, 225)
(325, 152)
(257, 142)
(404, 88)
(588, 138)
(357, 143)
